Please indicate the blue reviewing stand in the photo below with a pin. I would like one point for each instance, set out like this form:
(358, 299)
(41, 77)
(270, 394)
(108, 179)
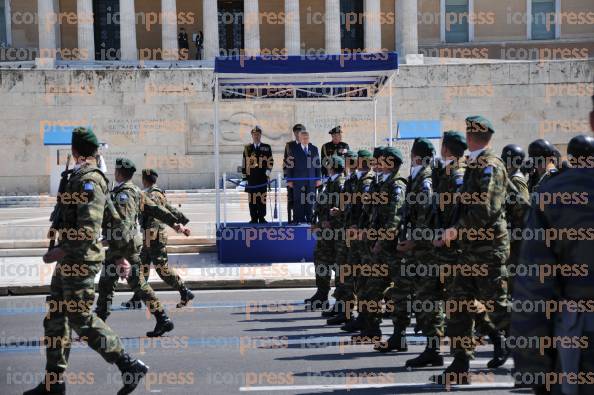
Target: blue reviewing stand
(266, 243)
(334, 77)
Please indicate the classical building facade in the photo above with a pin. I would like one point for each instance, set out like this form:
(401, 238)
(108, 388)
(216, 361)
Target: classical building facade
(148, 29)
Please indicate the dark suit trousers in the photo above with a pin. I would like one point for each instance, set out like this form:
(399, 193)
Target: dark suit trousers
(257, 203)
(303, 197)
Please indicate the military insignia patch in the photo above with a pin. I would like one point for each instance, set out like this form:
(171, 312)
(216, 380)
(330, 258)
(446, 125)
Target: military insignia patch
(366, 189)
(427, 185)
(122, 198)
(88, 186)
(459, 181)
(488, 170)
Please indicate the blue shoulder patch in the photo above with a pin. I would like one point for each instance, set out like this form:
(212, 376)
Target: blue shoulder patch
(88, 186)
(397, 190)
(488, 170)
(459, 181)
(122, 198)
(366, 188)
(427, 185)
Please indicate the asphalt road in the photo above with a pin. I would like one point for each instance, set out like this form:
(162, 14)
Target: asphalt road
(259, 341)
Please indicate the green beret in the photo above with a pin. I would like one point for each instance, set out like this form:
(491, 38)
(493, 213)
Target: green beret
(378, 151)
(351, 154)
(84, 141)
(394, 153)
(423, 147)
(455, 138)
(363, 153)
(125, 163)
(335, 130)
(150, 172)
(337, 162)
(477, 123)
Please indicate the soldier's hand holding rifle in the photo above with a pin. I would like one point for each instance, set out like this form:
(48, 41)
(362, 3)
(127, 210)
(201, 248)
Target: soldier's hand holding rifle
(123, 268)
(54, 255)
(179, 228)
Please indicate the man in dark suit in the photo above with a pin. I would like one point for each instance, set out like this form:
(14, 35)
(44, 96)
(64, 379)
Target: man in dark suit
(257, 165)
(288, 162)
(304, 177)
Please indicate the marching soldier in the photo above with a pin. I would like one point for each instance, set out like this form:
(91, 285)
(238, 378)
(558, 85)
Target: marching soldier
(289, 161)
(124, 242)
(517, 205)
(364, 177)
(334, 147)
(447, 184)
(257, 166)
(327, 227)
(384, 219)
(343, 293)
(541, 368)
(416, 253)
(486, 178)
(83, 257)
(154, 246)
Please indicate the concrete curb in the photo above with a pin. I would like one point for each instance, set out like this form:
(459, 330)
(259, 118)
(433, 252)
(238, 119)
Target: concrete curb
(21, 290)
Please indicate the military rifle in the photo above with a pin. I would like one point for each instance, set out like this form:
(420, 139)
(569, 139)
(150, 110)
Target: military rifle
(56, 216)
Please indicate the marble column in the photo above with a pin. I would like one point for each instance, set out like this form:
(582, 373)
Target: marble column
(251, 27)
(129, 50)
(86, 31)
(292, 27)
(332, 21)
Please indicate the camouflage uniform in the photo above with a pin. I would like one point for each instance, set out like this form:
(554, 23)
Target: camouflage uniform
(154, 248)
(125, 241)
(485, 290)
(384, 216)
(515, 211)
(325, 251)
(344, 289)
(356, 250)
(577, 288)
(72, 289)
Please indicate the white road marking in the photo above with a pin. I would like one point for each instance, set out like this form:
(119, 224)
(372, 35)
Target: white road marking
(366, 386)
(18, 221)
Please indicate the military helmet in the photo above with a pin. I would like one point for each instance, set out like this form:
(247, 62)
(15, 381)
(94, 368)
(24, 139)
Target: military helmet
(581, 146)
(542, 149)
(513, 152)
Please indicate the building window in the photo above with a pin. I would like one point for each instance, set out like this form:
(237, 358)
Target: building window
(3, 26)
(543, 16)
(457, 27)
(352, 35)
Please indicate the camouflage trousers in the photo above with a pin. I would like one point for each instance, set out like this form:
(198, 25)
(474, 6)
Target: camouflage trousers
(478, 299)
(399, 294)
(429, 297)
(72, 293)
(156, 253)
(372, 286)
(136, 281)
(324, 264)
(344, 291)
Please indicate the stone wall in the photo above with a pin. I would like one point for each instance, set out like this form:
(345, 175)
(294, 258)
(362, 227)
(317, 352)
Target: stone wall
(164, 118)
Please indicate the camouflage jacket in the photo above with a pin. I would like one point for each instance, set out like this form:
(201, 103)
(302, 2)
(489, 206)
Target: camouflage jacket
(82, 215)
(131, 203)
(348, 190)
(152, 224)
(518, 201)
(418, 210)
(482, 213)
(328, 198)
(449, 183)
(574, 252)
(387, 213)
(359, 188)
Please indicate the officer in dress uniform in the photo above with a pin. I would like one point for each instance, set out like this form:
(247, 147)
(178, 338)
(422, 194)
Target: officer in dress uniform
(334, 147)
(257, 165)
(288, 162)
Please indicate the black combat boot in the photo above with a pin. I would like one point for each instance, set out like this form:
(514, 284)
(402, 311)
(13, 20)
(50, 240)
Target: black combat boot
(500, 351)
(164, 325)
(457, 373)
(133, 304)
(331, 311)
(313, 297)
(102, 315)
(429, 357)
(371, 334)
(338, 319)
(318, 302)
(186, 297)
(353, 324)
(396, 342)
(133, 370)
(54, 387)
